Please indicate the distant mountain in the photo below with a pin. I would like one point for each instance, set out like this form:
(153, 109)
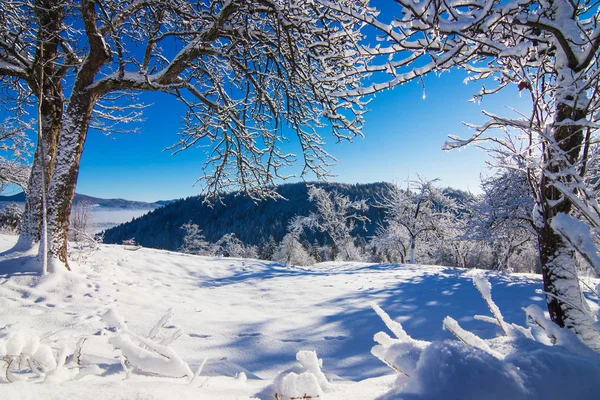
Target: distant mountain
(251, 222)
(104, 203)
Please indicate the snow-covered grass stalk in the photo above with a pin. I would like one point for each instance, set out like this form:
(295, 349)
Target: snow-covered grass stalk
(400, 354)
(144, 353)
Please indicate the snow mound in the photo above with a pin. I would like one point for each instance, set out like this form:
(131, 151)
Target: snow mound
(453, 370)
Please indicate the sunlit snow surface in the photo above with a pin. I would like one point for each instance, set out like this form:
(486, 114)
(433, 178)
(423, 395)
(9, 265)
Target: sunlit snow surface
(244, 315)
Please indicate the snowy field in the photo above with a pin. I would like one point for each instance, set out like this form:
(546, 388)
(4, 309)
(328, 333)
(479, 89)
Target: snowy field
(243, 316)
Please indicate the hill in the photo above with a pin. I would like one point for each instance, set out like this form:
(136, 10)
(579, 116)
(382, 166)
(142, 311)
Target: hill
(250, 221)
(96, 201)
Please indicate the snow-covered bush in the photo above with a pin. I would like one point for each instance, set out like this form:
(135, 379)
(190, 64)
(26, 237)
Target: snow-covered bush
(303, 381)
(539, 361)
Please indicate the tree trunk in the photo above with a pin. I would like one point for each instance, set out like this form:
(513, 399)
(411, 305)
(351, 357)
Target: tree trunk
(64, 178)
(32, 215)
(412, 245)
(49, 19)
(566, 304)
(74, 129)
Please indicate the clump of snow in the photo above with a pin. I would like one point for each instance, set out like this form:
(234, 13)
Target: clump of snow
(241, 377)
(304, 380)
(113, 319)
(162, 360)
(468, 338)
(453, 370)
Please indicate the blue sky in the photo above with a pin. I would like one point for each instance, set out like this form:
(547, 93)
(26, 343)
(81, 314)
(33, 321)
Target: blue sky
(403, 136)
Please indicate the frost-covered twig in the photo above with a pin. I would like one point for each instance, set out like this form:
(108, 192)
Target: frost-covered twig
(198, 372)
(485, 289)
(468, 337)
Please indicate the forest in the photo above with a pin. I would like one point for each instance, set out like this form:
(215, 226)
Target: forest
(448, 227)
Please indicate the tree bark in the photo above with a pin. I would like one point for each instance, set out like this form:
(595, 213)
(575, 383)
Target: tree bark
(412, 250)
(566, 304)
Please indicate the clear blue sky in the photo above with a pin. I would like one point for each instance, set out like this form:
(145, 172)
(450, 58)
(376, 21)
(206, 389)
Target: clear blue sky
(403, 136)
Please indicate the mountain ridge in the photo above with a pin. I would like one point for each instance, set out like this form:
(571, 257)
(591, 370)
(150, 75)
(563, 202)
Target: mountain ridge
(116, 203)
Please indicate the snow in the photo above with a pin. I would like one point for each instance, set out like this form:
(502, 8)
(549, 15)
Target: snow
(305, 379)
(249, 318)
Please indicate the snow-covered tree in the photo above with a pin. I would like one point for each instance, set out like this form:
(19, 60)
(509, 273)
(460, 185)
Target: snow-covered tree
(502, 216)
(242, 68)
(421, 209)
(231, 246)
(390, 244)
(290, 251)
(550, 51)
(194, 241)
(336, 215)
(11, 218)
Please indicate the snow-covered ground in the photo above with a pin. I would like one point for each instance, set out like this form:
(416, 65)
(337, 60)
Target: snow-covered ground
(243, 315)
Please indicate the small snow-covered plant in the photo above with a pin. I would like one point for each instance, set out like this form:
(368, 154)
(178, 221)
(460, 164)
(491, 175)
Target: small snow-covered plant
(27, 356)
(150, 354)
(303, 381)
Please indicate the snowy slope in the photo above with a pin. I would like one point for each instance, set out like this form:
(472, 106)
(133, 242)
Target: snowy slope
(243, 315)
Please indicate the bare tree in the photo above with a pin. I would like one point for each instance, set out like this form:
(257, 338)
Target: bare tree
(81, 228)
(244, 69)
(549, 49)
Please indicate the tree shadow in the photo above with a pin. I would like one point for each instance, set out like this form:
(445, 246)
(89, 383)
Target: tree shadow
(19, 264)
(343, 337)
